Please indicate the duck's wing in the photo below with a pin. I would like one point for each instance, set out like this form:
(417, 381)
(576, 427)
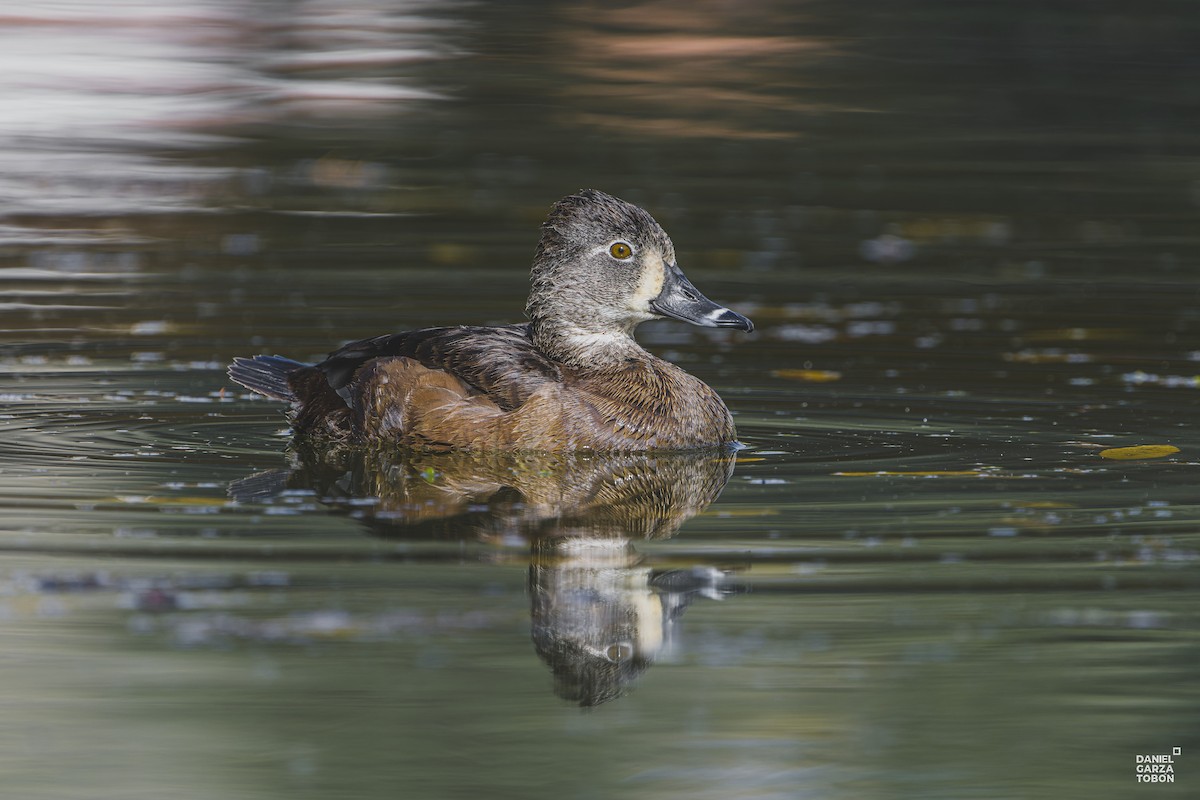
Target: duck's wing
(500, 362)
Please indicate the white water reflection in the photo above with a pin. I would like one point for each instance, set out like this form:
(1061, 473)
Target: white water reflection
(94, 100)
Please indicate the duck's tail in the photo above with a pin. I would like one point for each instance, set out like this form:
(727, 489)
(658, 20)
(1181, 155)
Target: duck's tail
(267, 375)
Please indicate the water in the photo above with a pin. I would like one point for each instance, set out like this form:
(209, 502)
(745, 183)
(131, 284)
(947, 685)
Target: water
(966, 236)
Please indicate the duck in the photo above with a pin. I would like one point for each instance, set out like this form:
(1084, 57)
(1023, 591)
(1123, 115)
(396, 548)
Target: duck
(571, 378)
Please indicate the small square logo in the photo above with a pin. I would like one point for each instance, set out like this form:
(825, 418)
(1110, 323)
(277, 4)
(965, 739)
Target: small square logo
(1176, 751)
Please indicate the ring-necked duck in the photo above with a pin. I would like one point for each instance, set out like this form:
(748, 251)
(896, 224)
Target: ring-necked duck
(572, 378)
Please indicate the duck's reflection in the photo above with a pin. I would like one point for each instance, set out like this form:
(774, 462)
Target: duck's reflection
(601, 616)
(600, 612)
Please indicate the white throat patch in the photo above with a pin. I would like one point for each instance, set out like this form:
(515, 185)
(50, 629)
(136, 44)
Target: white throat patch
(597, 348)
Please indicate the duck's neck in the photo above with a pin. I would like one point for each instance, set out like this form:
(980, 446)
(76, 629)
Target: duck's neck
(584, 346)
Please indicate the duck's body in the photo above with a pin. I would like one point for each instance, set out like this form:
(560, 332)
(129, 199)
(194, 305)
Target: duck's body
(573, 378)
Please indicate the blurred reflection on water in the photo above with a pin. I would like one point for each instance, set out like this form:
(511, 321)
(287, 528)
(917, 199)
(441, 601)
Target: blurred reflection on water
(967, 233)
(122, 103)
(696, 70)
(601, 615)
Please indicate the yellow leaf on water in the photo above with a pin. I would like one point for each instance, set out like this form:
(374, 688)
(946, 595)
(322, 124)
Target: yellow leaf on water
(810, 375)
(1139, 451)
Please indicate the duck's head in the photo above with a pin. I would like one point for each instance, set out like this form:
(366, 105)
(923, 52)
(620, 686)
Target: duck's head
(602, 267)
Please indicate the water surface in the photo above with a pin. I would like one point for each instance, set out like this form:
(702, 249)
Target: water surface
(967, 238)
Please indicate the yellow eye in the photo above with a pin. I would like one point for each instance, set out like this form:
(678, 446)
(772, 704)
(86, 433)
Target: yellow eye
(620, 250)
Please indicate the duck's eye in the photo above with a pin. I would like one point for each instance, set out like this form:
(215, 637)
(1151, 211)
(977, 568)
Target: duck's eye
(620, 250)
(619, 653)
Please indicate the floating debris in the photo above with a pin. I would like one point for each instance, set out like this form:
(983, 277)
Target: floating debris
(1050, 355)
(887, 248)
(808, 334)
(149, 327)
(808, 375)
(1140, 378)
(1140, 451)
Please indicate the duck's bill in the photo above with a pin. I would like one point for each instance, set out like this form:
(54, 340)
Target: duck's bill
(680, 300)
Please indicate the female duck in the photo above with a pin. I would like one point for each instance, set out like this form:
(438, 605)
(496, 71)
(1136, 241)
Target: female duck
(572, 378)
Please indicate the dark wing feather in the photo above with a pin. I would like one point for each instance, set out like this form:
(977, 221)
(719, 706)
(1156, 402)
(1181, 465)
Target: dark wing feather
(500, 362)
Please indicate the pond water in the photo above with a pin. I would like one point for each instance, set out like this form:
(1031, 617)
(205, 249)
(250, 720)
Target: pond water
(967, 235)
